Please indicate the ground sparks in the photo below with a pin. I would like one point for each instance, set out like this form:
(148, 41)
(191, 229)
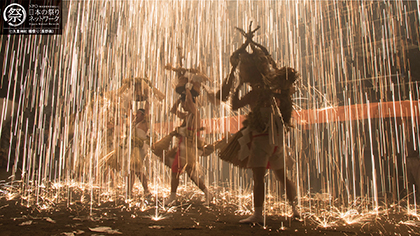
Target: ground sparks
(355, 145)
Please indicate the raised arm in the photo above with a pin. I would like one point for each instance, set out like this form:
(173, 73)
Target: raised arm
(189, 102)
(248, 99)
(175, 110)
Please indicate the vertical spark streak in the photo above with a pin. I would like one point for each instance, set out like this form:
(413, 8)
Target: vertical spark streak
(415, 199)
(342, 48)
(413, 116)
(374, 185)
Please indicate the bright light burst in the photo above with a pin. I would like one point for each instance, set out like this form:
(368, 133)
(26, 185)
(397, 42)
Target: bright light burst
(357, 132)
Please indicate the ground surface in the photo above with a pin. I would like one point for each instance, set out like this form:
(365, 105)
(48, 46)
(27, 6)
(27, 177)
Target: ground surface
(188, 218)
(76, 214)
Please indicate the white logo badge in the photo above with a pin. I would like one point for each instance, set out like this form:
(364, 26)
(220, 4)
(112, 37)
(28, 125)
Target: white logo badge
(14, 14)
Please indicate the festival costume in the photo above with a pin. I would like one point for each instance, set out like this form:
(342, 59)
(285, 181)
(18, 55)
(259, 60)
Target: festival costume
(257, 144)
(139, 149)
(260, 142)
(187, 150)
(132, 159)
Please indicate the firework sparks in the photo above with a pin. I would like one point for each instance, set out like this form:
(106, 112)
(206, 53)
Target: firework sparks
(356, 138)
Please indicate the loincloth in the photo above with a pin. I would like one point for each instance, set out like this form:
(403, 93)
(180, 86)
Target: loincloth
(189, 147)
(238, 149)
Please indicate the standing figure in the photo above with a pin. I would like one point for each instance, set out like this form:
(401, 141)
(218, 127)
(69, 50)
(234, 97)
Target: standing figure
(139, 151)
(259, 144)
(187, 151)
(129, 154)
(127, 140)
(262, 145)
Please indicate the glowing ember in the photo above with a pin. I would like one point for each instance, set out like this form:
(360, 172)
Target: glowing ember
(355, 145)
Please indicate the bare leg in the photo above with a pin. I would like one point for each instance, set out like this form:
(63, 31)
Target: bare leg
(144, 182)
(290, 189)
(130, 183)
(258, 175)
(193, 174)
(174, 186)
(174, 182)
